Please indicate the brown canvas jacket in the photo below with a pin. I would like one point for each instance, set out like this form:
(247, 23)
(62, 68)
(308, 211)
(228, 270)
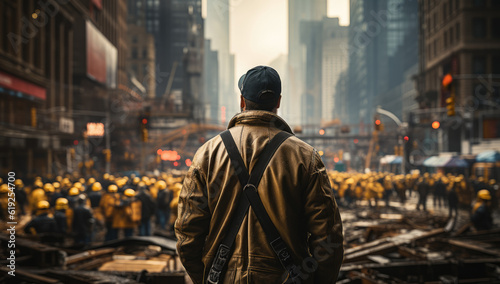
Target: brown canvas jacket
(295, 191)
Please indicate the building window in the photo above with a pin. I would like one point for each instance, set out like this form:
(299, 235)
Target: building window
(450, 33)
(479, 3)
(450, 7)
(144, 53)
(495, 24)
(457, 5)
(495, 65)
(479, 65)
(457, 31)
(479, 27)
(435, 47)
(445, 39)
(134, 53)
(445, 10)
(134, 39)
(435, 20)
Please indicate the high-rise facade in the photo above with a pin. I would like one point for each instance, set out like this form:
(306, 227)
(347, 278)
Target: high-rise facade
(217, 31)
(60, 65)
(462, 38)
(383, 47)
(334, 63)
(167, 21)
(299, 12)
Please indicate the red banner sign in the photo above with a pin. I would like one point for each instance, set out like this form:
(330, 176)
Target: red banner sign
(22, 86)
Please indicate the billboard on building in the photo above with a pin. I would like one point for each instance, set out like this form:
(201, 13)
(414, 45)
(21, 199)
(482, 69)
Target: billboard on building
(102, 57)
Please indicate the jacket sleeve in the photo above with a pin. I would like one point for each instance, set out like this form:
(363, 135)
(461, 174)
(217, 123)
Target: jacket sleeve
(192, 224)
(323, 223)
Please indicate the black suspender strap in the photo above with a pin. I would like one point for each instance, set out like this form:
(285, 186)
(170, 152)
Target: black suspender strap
(250, 181)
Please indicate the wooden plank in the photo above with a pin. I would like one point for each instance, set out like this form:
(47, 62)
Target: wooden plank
(124, 265)
(88, 255)
(473, 247)
(32, 278)
(93, 264)
(410, 253)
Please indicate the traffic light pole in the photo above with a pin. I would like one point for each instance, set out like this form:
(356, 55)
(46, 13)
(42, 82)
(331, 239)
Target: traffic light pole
(401, 125)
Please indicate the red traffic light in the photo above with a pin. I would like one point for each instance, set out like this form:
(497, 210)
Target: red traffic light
(436, 124)
(321, 132)
(356, 141)
(377, 122)
(406, 138)
(144, 121)
(447, 80)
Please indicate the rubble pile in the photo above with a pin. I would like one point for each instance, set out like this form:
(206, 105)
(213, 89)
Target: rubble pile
(399, 246)
(132, 260)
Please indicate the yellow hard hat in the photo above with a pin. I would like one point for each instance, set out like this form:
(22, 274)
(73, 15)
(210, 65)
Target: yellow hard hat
(78, 185)
(105, 176)
(492, 181)
(38, 184)
(48, 187)
(112, 188)
(81, 180)
(90, 181)
(43, 205)
(136, 180)
(484, 194)
(161, 185)
(56, 185)
(480, 179)
(59, 178)
(177, 187)
(129, 192)
(18, 183)
(152, 180)
(61, 203)
(120, 182)
(96, 186)
(73, 191)
(111, 177)
(66, 182)
(4, 188)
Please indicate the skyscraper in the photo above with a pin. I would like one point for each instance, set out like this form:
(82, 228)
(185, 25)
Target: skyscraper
(298, 12)
(217, 31)
(383, 44)
(334, 63)
(167, 21)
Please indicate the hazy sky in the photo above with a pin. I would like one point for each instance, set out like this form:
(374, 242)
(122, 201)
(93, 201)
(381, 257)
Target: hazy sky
(258, 31)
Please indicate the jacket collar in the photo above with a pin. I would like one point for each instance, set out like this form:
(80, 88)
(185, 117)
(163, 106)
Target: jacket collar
(259, 117)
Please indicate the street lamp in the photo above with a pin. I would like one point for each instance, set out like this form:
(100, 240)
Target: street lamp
(401, 126)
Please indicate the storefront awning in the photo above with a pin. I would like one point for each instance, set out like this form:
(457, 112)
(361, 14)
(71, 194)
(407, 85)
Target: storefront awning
(387, 159)
(397, 160)
(490, 156)
(437, 162)
(456, 162)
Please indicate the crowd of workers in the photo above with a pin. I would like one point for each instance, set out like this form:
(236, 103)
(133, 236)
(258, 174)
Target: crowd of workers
(447, 190)
(81, 208)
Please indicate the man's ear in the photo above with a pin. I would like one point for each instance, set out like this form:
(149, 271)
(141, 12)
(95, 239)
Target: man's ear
(242, 102)
(278, 104)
